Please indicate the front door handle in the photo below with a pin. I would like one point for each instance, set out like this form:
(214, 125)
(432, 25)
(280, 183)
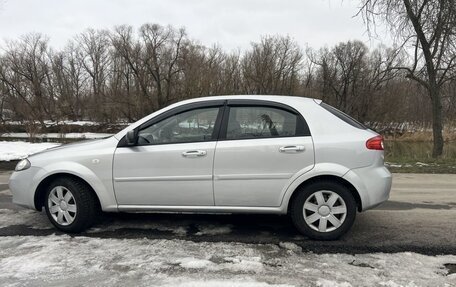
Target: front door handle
(292, 148)
(194, 153)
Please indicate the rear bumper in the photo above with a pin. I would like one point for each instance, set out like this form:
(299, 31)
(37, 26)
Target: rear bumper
(373, 184)
(21, 185)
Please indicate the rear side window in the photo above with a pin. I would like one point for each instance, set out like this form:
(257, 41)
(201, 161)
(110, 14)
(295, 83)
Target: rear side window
(343, 116)
(252, 122)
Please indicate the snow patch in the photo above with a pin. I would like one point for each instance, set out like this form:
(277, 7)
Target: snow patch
(243, 264)
(73, 123)
(390, 164)
(290, 246)
(213, 230)
(226, 283)
(194, 263)
(331, 283)
(19, 150)
(64, 260)
(86, 135)
(389, 283)
(5, 192)
(421, 164)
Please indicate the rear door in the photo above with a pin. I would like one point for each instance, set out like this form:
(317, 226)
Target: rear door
(262, 145)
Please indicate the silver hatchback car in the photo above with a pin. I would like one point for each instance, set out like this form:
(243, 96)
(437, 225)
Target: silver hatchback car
(230, 154)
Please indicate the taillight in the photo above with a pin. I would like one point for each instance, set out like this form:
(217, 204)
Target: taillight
(375, 143)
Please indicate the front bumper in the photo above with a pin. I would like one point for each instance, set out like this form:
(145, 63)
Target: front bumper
(373, 184)
(22, 186)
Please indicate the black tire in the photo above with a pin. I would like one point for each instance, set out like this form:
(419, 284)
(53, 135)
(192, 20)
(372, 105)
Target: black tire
(85, 200)
(297, 213)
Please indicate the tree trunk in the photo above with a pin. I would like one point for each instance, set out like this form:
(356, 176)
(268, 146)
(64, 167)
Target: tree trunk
(437, 125)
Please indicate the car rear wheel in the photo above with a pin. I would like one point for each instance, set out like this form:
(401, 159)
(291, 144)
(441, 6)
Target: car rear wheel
(70, 205)
(323, 210)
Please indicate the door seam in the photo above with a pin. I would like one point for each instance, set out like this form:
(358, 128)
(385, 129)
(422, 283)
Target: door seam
(213, 177)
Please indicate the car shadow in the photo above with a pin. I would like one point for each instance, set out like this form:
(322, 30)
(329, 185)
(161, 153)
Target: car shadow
(250, 228)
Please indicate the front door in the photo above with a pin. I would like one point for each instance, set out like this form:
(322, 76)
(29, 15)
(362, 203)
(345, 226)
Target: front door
(172, 162)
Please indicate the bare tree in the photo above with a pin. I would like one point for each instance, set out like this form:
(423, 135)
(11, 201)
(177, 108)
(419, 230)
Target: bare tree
(163, 46)
(130, 49)
(68, 82)
(272, 67)
(350, 77)
(26, 76)
(341, 70)
(428, 28)
(94, 56)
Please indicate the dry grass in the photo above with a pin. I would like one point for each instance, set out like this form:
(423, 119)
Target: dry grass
(449, 135)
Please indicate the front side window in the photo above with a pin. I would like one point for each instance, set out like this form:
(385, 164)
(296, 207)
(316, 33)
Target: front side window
(252, 122)
(191, 126)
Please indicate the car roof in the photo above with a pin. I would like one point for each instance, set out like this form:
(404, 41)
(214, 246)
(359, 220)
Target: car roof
(273, 98)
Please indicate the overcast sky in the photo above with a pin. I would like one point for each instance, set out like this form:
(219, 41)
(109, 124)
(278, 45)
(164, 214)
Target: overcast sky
(230, 23)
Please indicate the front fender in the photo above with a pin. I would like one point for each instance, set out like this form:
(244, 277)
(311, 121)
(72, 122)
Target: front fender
(101, 182)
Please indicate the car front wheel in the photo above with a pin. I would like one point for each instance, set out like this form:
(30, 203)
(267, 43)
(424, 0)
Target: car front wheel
(323, 210)
(70, 205)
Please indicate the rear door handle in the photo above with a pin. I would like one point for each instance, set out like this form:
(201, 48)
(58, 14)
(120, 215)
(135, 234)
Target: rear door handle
(194, 153)
(292, 148)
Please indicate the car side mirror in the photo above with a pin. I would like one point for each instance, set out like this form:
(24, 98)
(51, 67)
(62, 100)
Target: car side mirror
(131, 137)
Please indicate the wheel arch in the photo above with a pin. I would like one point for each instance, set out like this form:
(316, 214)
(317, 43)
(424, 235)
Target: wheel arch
(327, 177)
(40, 191)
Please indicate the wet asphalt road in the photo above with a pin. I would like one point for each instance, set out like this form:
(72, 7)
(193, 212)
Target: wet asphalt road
(420, 217)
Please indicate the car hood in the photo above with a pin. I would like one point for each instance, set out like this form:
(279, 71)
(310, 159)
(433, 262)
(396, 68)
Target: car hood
(77, 145)
(74, 150)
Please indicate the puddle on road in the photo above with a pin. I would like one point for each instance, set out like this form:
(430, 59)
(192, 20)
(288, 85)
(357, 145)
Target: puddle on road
(399, 205)
(451, 267)
(361, 264)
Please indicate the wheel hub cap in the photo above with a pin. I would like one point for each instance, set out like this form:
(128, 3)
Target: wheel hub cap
(63, 205)
(324, 210)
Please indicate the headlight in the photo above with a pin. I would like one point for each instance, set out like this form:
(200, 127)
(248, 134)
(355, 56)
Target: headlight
(22, 165)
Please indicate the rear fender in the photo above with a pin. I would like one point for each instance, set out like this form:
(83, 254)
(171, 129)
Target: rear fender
(318, 170)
